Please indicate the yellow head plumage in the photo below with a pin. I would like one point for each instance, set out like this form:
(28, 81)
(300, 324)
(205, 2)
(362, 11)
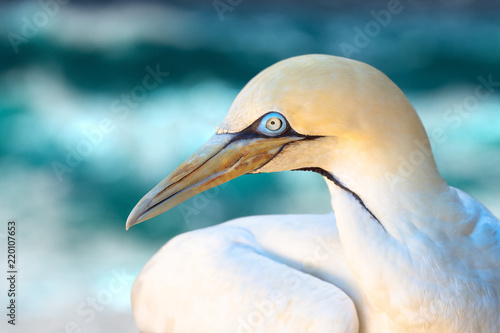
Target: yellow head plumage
(341, 115)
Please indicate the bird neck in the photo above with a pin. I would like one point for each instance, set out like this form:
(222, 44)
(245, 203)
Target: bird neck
(398, 186)
(403, 219)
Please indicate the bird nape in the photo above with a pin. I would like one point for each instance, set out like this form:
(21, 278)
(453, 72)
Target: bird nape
(400, 251)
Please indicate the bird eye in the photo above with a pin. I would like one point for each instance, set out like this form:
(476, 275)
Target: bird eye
(272, 124)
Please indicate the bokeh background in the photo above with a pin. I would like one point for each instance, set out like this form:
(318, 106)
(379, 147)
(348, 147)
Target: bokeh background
(83, 136)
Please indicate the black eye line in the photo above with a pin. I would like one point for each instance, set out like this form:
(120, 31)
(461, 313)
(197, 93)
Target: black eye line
(251, 131)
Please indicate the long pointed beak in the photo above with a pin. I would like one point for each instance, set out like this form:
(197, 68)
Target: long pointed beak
(222, 158)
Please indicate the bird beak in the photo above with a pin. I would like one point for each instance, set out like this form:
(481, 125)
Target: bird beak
(222, 158)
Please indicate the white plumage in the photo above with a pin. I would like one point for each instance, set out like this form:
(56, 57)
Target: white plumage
(402, 251)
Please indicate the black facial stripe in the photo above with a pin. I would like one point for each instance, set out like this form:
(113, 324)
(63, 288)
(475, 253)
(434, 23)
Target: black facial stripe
(342, 186)
(251, 131)
(247, 134)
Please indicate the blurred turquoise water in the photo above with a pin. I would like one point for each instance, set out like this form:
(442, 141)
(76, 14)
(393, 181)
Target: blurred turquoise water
(63, 97)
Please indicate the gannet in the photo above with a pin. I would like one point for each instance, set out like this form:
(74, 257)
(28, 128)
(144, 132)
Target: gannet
(402, 250)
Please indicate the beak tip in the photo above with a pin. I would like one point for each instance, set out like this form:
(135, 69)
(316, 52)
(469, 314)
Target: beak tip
(140, 213)
(128, 224)
(133, 219)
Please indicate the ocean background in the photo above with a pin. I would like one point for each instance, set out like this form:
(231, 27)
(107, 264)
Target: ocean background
(76, 155)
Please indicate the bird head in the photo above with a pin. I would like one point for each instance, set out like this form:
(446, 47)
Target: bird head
(348, 117)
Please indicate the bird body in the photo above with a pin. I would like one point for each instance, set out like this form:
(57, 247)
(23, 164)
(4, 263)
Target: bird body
(402, 250)
(240, 279)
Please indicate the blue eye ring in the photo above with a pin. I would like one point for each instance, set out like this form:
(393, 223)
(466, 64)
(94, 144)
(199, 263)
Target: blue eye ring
(272, 124)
